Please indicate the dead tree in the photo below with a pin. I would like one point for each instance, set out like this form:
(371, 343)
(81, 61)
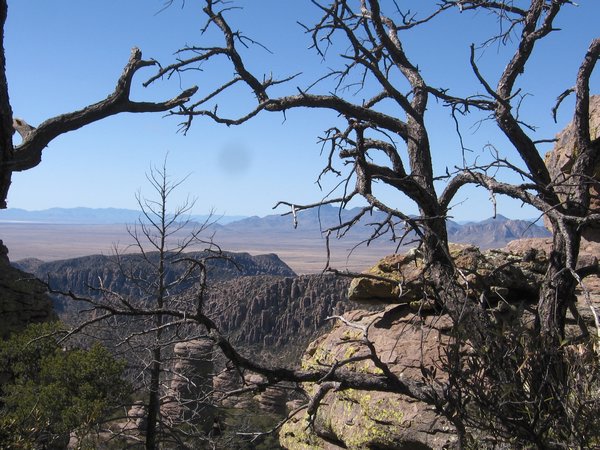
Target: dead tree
(394, 149)
(373, 48)
(145, 317)
(28, 153)
(160, 308)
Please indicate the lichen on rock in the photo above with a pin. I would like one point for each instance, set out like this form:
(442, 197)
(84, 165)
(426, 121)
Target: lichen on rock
(353, 419)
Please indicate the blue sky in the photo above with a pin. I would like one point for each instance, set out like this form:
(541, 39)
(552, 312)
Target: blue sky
(65, 54)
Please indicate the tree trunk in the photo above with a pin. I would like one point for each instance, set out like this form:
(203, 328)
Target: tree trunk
(154, 402)
(6, 130)
(557, 291)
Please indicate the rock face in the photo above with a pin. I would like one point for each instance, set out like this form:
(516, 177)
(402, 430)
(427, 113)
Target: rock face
(23, 299)
(491, 276)
(560, 161)
(352, 419)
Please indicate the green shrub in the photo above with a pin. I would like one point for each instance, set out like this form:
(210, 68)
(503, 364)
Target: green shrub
(49, 392)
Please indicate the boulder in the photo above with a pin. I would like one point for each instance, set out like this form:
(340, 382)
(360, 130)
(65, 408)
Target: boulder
(560, 161)
(522, 246)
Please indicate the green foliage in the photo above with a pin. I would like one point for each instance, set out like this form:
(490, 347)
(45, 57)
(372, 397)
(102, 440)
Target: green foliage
(49, 392)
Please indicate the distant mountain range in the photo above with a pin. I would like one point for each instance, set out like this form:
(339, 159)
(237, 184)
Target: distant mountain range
(88, 216)
(60, 233)
(489, 233)
(495, 232)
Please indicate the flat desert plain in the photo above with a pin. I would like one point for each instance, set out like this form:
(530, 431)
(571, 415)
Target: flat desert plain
(304, 251)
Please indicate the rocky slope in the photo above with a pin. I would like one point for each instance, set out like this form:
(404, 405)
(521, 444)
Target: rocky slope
(278, 316)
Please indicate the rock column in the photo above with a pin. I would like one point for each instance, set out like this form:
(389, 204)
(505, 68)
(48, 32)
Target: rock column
(188, 397)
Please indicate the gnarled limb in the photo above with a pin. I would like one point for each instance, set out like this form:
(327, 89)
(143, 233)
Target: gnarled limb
(29, 153)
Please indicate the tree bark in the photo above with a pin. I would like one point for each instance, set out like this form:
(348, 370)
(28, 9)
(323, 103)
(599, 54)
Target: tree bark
(154, 401)
(557, 291)
(6, 130)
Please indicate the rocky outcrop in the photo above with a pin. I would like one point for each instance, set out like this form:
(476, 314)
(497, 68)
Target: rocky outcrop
(491, 276)
(224, 383)
(189, 396)
(408, 340)
(23, 298)
(136, 418)
(230, 391)
(589, 251)
(560, 161)
(273, 400)
(352, 419)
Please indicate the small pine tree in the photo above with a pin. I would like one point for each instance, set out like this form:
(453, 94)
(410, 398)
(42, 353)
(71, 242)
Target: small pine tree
(49, 392)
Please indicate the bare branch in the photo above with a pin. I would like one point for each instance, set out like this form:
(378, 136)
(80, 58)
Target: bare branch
(29, 153)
